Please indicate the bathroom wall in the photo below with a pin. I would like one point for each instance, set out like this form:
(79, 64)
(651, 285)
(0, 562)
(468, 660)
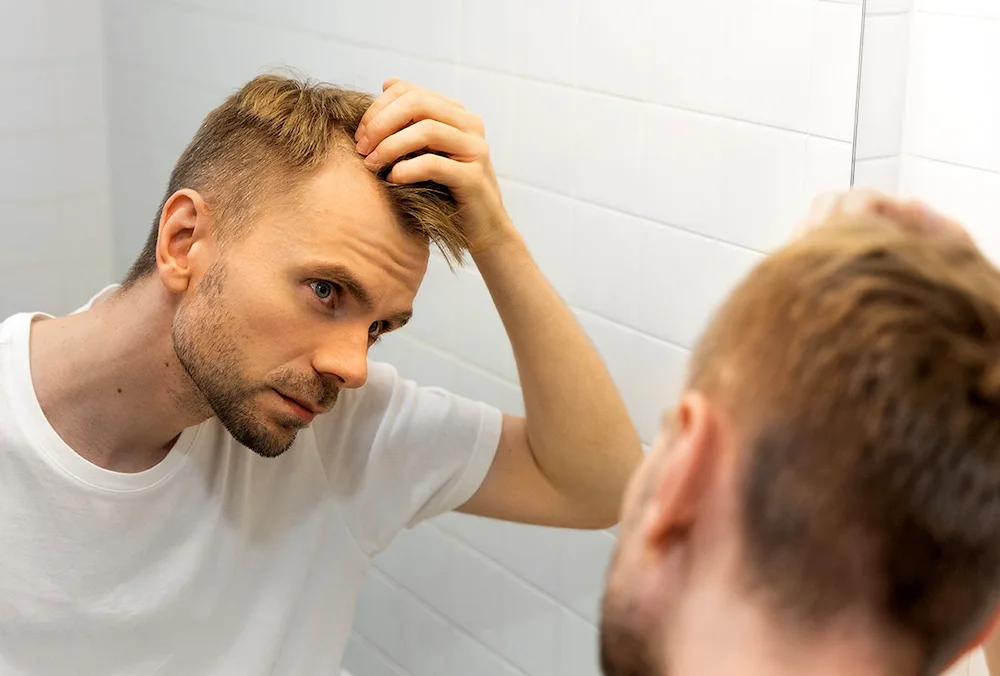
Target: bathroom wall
(54, 201)
(650, 151)
(928, 115)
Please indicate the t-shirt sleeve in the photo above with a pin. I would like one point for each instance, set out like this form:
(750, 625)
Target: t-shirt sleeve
(397, 453)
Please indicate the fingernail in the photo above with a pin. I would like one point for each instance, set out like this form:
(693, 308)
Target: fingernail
(359, 133)
(363, 145)
(372, 159)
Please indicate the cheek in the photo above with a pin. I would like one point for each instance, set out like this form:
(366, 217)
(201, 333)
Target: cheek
(267, 326)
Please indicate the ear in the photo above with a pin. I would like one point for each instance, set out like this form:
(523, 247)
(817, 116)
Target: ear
(185, 247)
(687, 471)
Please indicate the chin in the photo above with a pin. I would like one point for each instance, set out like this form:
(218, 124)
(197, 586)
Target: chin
(269, 438)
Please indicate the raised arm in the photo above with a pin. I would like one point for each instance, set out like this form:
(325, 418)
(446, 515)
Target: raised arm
(567, 461)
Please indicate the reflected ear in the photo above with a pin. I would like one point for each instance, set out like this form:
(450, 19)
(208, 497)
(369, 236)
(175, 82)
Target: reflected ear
(685, 475)
(185, 246)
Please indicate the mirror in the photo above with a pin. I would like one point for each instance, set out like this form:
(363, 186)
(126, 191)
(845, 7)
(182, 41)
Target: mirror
(927, 120)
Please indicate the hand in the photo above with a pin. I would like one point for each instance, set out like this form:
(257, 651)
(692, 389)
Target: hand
(407, 119)
(910, 215)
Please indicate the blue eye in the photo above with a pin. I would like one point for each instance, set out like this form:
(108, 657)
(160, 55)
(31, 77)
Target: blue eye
(323, 290)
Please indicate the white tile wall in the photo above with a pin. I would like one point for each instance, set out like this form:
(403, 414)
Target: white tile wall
(650, 151)
(54, 183)
(929, 117)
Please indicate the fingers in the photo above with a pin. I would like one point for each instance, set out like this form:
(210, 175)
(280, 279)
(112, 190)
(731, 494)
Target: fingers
(444, 170)
(412, 106)
(428, 135)
(911, 215)
(393, 89)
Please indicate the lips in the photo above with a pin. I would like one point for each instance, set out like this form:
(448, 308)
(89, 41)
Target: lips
(308, 407)
(303, 410)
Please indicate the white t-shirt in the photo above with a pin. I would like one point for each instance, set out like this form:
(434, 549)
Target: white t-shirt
(216, 561)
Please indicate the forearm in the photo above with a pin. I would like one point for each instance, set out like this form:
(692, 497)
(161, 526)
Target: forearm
(577, 425)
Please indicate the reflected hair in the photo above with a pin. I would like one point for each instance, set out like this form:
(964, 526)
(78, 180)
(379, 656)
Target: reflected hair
(861, 368)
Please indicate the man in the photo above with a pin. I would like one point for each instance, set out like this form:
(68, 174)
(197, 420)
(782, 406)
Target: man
(196, 468)
(825, 496)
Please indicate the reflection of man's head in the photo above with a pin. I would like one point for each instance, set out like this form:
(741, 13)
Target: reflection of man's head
(828, 488)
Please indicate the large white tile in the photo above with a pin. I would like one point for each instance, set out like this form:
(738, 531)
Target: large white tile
(50, 29)
(883, 86)
(828, 167)
(32, 288)
(54, 165)
(534, 554)
(422, 561)
(881, 174)
(491, 389)
(174, 108)
(615, 345)
(583, 564)
(430, 28)
(953, 111)
(746, 60)
(548, 223)
(657, 383)
(606, 263)
(363, 659)
(609, 142)
(480, 334)
(417, 362)
(52, 96)
(683, 278)
(981, 9)
(612, 46)
(730, 180)
(505, 614)
(490, 96)
(408, 632)
(542, 136)
(30, 231)
(435, 320)
(535, 39)
(472, 657)
(578, 647)
(888, 7)
(833, 89)
(972, 196)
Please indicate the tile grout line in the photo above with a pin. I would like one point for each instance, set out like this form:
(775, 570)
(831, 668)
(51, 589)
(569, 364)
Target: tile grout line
(398, 587)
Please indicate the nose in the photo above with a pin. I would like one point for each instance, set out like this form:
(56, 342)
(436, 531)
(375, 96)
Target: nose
(344, 357)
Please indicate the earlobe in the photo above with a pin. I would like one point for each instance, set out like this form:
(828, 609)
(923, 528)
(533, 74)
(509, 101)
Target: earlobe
(686, 473)
(184, 235)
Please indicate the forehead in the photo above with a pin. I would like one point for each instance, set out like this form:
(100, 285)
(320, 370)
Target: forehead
(338, 213)
(338, 218)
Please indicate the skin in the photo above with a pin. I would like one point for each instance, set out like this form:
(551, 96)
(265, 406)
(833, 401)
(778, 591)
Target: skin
(673, 595)
(265, 331)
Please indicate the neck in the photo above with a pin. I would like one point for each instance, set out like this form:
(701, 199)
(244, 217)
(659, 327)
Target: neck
(109, 382)
(747, 642)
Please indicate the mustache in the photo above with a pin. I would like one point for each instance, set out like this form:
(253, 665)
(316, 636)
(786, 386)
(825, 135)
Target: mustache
(323, 392)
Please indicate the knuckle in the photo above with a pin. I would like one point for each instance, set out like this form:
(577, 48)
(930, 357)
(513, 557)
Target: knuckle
(483, 150)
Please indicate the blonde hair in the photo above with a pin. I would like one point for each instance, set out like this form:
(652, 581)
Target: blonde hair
(265, 138)
(861, 368)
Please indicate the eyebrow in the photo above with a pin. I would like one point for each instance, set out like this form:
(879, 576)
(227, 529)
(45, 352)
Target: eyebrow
(341, 275)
